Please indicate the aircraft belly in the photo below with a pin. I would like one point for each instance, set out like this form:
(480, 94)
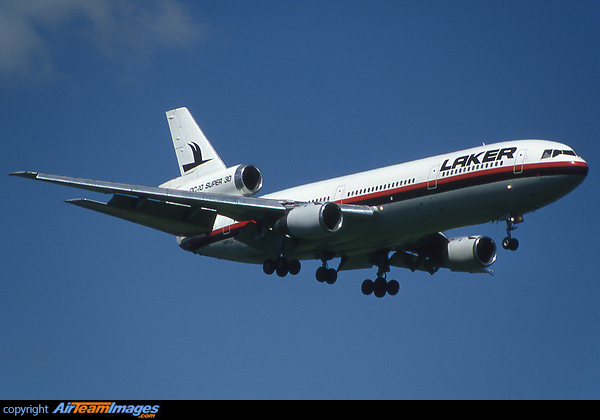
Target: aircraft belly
(404, 222)
(459, 208)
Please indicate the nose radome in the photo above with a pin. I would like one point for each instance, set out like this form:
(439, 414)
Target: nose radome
(584, 166)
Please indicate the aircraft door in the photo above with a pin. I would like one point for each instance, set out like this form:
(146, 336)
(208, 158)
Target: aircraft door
(432, 181)
(339, 193)
(519, 161)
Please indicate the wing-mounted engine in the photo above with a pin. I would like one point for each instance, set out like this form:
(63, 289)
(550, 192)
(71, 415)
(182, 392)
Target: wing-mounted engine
(469, 254)
(245, 180)
(312, 220)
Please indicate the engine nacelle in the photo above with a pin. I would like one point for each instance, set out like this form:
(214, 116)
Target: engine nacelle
(471, 254)
(313, 221)
(243, 180)
(248, 179)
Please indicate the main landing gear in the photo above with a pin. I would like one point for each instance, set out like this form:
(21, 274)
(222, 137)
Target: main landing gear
(281, 266)
(380, 286)
(509, 242)
(326, 275)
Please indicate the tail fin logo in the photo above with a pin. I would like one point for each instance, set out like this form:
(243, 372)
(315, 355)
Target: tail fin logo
(197, 158)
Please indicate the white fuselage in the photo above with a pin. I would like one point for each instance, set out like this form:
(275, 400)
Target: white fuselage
(410, 200)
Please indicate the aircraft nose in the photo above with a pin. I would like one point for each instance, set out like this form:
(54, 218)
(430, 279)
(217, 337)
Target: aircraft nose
(584, 168)
(579, 168)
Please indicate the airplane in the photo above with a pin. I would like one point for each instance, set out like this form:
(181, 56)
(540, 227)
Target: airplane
(387, 217)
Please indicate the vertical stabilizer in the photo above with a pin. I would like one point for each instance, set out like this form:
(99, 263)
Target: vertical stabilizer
(195, 154)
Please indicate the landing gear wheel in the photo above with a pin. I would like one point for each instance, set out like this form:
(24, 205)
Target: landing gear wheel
(393, 287)
(379, 287)
(282, 267)
(511, 244)
(294, 267)
(330, 276)
(321, 274)
(367, 287)
(269, 267)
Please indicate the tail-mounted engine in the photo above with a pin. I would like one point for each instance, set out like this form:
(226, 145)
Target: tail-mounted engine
(312, 221)
(243, 180)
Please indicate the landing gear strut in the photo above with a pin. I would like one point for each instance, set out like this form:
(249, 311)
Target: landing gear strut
(509, 242)
(380, 286)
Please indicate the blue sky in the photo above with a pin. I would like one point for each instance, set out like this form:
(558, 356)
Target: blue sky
(95, 307)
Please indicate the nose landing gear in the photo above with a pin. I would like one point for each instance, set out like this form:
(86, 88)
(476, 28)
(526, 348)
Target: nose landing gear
(509, 242)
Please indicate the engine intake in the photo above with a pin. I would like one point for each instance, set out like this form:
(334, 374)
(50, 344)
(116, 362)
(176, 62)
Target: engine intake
(248, 179)
(470, 253)
(313, 221)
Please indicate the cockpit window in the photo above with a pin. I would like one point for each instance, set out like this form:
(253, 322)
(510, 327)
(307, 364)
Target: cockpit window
(548, 153)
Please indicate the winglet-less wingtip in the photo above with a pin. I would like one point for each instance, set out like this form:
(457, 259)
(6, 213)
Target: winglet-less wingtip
(25, 174)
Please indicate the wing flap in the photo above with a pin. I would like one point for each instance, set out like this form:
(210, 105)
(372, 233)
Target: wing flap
(171, 218)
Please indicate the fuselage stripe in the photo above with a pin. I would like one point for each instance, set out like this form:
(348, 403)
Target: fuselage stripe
(467, 179)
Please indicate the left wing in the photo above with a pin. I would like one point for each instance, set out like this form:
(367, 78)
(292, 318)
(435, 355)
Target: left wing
(235, 207)
(181, 213)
